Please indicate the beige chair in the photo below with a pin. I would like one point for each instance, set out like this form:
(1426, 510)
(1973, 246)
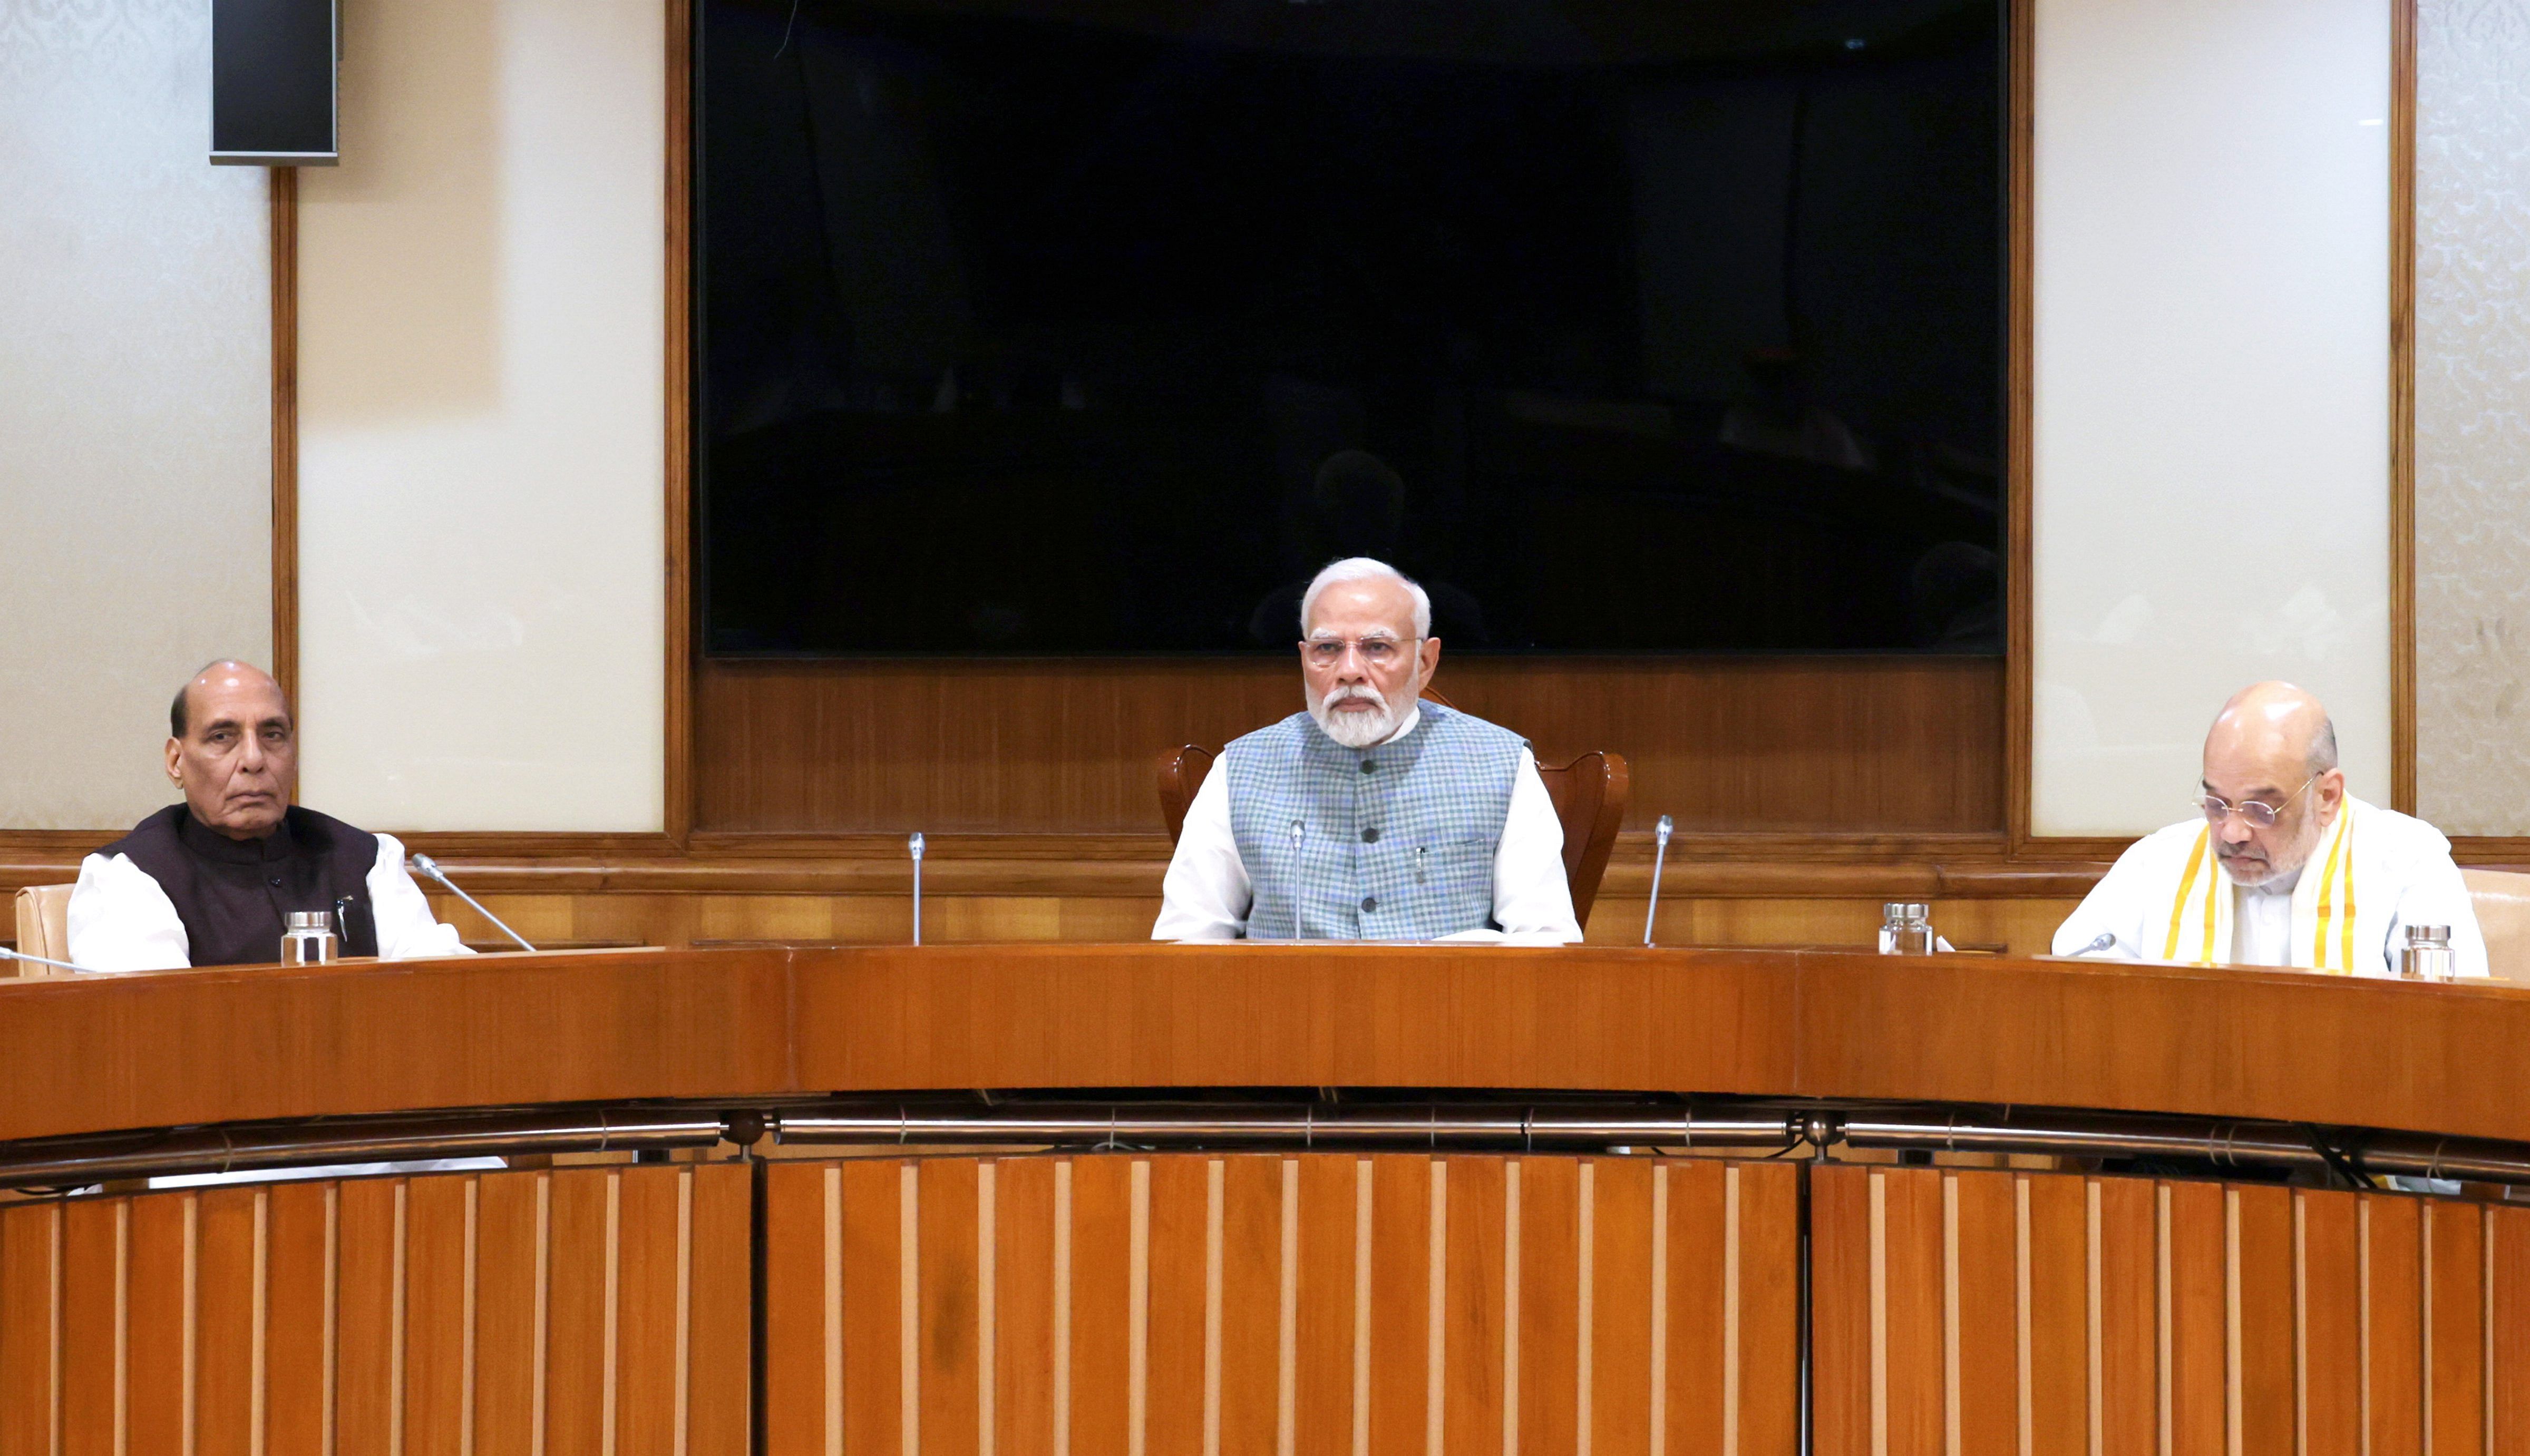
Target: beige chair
(2502, 900)
(44, 928)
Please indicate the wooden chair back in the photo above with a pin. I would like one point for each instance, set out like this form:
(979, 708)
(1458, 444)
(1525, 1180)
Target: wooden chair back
(43, 929)
(2502, 900)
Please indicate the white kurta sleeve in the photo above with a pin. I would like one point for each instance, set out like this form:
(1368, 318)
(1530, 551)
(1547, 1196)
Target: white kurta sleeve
(1206, 895)
(407, 929)
(2114, 907)
(121, 920)
(1532, 901)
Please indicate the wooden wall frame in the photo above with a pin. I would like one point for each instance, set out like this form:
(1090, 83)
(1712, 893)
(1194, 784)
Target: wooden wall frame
(2402, 405)
(284, 185)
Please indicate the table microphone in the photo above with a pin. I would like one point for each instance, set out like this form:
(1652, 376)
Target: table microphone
(914, 846)
(1660, 839)
(423, 864)
(2101, 941)
(7, 954)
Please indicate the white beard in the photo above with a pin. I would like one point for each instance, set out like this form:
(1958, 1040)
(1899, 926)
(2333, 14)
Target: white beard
(1353, 729)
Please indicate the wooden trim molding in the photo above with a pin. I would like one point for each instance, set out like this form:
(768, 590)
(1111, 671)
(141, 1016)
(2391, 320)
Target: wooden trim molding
(678, 788)
(2402, 405)
(2020, 595)
(284, 185)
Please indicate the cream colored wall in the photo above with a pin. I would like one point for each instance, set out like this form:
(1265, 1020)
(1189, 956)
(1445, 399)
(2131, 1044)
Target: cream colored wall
(2473, 414)
(481, 507)
(2212, 405)
(135, 368)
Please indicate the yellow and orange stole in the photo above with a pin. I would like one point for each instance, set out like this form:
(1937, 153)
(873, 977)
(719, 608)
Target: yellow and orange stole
(2323, 903)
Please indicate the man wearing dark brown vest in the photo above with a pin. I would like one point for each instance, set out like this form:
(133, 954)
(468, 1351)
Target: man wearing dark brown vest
(212, 881)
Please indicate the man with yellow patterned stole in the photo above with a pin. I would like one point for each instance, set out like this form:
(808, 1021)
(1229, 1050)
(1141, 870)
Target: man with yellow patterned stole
(2282, 867)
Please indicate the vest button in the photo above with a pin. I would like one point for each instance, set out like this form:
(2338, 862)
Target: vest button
(274, 883)
(1370, 902)
(1369, 767)
(1370, 836)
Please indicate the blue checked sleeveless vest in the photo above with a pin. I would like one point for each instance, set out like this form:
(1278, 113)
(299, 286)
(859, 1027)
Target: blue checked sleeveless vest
(1394, 842)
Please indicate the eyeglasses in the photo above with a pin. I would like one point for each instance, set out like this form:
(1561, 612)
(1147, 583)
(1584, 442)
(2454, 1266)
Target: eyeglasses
(2258, 815)
(1376, 652)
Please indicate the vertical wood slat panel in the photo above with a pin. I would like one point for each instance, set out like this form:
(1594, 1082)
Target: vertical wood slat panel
(1023, 1237)
(2510, 1292)
(947, 1310)
(1770, 1292)
(298, 1309)
(91, 1293)
(2128, 1363)
(1910, 1346)
(2059, 1313)
(647, 1368)
(719, 1316)
(2393, 1302)
(1323, 1395)
(1173, 1361)
(1697, 1310)
(1840, 1324)
(1102, 1230)
(575, 1350)
(506, 1295)
(1987, 1279)
(2331, 1320)
(1550, 1305)
(364, 1299)
(434, 1315)
(2198, 1318)
(794, 1309)
(2261, 1237)
(1472, 1309)
(1620, 1306)
(873, 1276)
(1400, 1302)
(224, 1334)
(27, 1240)
(2457, 1333)
(1252, 1306)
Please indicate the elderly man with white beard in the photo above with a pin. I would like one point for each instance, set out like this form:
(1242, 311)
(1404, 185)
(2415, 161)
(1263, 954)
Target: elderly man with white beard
(1373, 816)
(2279, 866)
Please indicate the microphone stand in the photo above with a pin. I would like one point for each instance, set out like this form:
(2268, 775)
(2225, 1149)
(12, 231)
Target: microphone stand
(64, 965)
(914, 846)
(430, 868)
(1660, 856)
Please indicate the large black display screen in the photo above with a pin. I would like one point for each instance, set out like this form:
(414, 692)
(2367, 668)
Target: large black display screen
(1096, 326)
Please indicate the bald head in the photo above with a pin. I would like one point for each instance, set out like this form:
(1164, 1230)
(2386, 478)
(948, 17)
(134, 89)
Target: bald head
(2273, 744)
(233, 749)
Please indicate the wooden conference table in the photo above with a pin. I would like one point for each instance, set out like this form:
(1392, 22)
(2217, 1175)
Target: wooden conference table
(1245, 1297)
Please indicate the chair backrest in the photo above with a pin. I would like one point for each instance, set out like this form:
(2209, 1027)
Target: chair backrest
(2502, 900)
(1589, 794)
(44, 928)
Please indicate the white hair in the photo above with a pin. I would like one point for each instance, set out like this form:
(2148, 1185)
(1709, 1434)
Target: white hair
(1365, 569)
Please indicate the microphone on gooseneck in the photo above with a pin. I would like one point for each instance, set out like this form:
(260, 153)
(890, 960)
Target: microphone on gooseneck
(1660, 856)
(425, 866)
(8, 954)
(914, 846)
(2101, 941)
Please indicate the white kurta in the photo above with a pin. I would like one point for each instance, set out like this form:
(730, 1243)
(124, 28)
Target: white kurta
(2404, 875)
(1206, 895)
(121, 920)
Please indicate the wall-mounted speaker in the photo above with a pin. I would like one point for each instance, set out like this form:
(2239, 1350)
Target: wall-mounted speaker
(274, 71)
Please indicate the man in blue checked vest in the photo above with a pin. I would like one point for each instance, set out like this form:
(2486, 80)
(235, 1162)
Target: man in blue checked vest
(1372, 816)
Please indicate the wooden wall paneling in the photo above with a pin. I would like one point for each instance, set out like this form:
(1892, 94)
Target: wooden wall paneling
(1844, 1405)
(872, 1265)
(510, 1263)
(653, 1281)
(29, 1244)
(1059, 746)
(2195, 1320)
(676, 419)
(1246, 1321)
(1618, 1373)
(2453, 1272)
(2402, 405)
(581, 1330)
(2509, 1295)
(1475, 1349)
(1700, 1410)
(2057, 1366)
(1547, 1334)
(1981, 1302)
(2126, 1370)
(2389, 1228)
(948, 1309)
(1769, 1241)
(1334, 1226)
(227, 1334)
(158, 1346)
(282, 185)
(91, 1346)
(2264, 1320)
(796, 1274)
(438, 1315)
(719, 1298)
(2330, 1275)
(1407, 1288)
(1173, 1361)
(2020, 397)
(1025, 1270)
(1103, 1316)
(1908, 1357)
